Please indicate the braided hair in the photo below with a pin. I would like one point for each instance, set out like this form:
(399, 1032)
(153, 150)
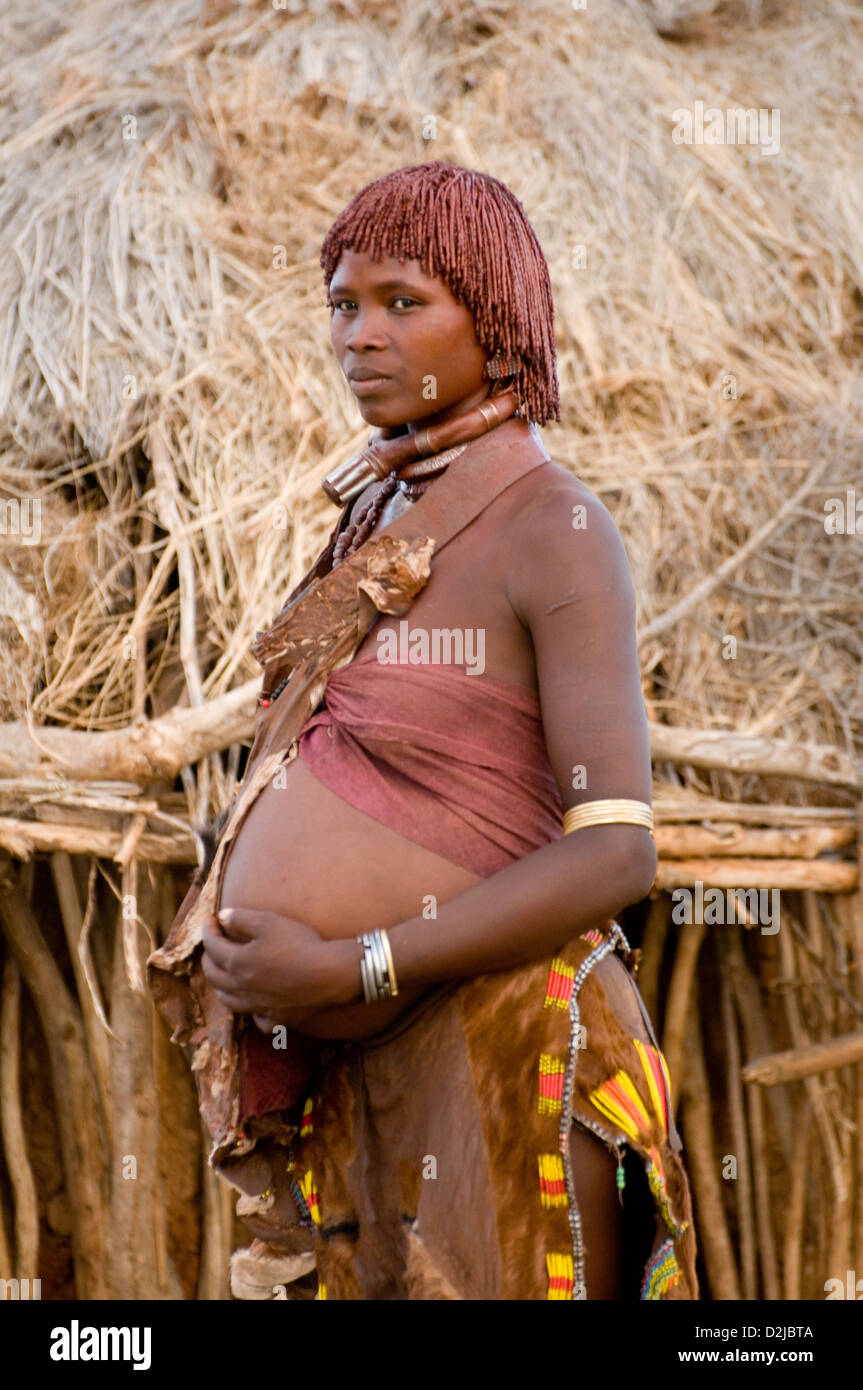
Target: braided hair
(471, 231)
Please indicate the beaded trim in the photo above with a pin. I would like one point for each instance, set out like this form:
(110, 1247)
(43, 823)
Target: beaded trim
(559, 987)
(306, 1124)
(310, 1192)
(662, 1272)
(301, 1203)
(560, 1276)
(551, 1074)
(593, 935)
(552, 1188)
(615, 935)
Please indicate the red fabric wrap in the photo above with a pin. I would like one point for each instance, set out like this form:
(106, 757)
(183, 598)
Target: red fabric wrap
(454, 762)
(273, 1078)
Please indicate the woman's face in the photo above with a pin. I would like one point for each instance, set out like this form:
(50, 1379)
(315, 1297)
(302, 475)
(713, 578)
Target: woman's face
(390, 319)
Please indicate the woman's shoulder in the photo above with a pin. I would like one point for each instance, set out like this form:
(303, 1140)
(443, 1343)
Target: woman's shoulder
(562, 537)
(554, 502)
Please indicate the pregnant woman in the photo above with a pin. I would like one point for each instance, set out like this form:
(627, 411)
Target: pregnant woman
(419, 1045)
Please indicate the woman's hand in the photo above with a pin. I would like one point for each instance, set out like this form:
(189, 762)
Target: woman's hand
(277, 968)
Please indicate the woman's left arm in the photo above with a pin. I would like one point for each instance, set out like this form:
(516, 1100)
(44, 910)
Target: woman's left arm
(571, 587)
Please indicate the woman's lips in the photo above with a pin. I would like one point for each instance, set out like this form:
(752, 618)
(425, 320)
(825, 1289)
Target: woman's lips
(370, 386)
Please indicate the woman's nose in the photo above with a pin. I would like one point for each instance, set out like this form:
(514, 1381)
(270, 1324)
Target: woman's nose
(365, 330)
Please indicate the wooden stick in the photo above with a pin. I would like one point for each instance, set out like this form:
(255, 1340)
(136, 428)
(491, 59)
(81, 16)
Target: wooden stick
(793, 1241)
(217, 1225)
(756, 1035)
(7, 1262)
(671, 807)
(653, 946)
(793, 1065)
(736, 841)
(98, 1048)
(849, 910)
(23, 838)
(12, 1119)
(82, 1139)
(711, 1224)
(677, 1007)
(760, 1162)
(739, 1139)
(728, 751)
(139, 1265)
(822, 875)
(837, 1169)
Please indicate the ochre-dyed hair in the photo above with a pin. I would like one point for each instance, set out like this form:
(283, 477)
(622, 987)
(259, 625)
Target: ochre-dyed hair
(472, 232)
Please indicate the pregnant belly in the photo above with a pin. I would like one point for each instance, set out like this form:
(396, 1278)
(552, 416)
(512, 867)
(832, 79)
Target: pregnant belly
(303, 852)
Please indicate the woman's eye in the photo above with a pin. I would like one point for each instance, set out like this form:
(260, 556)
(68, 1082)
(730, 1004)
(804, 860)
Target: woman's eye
(351, 304)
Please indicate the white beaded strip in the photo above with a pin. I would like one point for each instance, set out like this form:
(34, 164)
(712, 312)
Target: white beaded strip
(616, 936)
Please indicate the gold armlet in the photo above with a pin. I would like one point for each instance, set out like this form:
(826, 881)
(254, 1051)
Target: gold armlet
(608, 812)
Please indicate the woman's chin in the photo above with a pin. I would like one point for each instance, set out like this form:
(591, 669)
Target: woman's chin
(381, 415)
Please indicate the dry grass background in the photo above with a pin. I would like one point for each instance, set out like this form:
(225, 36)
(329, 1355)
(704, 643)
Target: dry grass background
(169, 395)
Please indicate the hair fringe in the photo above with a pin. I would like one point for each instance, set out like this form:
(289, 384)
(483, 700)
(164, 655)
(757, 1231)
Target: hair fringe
(471, 231)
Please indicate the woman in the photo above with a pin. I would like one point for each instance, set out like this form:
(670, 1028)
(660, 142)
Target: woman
(487, 1115)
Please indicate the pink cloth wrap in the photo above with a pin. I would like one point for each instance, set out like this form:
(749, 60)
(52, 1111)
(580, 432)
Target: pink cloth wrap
(454, 762)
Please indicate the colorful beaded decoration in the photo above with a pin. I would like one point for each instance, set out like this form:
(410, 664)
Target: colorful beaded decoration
(619, 1101)
(551, 1073)
(309, 1191)
(615, 937)
(560, 1276)
(662, 1272)
(593, 935)
(559, 988)
(552, 1186)
(301, 1203)
(306, 1125)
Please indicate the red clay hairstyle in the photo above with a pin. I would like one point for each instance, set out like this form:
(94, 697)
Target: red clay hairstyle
(472, 232)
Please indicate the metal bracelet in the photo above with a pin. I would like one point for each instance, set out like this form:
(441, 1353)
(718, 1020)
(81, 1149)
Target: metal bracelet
(376, 972)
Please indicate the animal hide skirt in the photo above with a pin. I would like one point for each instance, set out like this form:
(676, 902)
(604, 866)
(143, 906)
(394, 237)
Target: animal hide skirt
(433, 1161)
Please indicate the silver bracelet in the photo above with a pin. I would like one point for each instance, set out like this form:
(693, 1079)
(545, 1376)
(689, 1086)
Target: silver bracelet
(377, 971)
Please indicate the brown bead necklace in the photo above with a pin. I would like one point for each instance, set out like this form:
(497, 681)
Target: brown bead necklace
(424, 471)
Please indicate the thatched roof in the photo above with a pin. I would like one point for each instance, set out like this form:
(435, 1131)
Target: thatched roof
(170, 398)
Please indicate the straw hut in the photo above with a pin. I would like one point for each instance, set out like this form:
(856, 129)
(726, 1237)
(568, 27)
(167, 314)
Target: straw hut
(170, 404)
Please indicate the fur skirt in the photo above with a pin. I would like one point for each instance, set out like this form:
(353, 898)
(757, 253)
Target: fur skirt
(432, 1162)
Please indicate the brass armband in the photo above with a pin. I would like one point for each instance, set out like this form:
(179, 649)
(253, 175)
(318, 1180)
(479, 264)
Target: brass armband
(608, 812)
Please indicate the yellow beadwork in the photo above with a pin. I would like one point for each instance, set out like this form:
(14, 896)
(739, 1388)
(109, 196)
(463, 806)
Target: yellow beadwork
(552, 1184)
(309, 1191)
(551, 1074)
(560, 1276)
(559, 987)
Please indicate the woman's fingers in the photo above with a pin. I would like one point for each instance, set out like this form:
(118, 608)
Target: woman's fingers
(217, 949)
